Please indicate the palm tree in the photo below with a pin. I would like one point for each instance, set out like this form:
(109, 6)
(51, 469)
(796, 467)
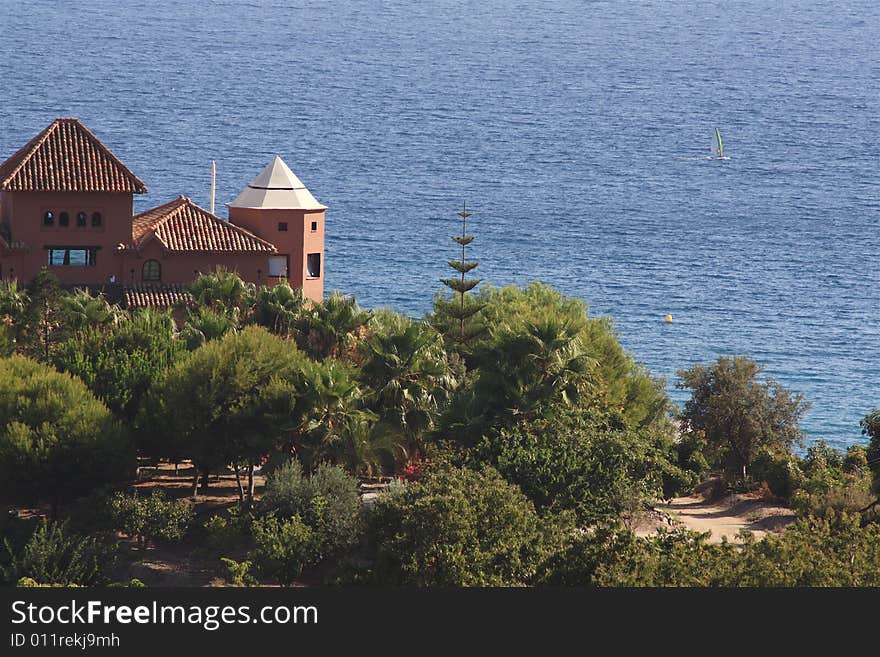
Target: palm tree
(13, 300)
(223, 291)
(522, 371)
(220, 303)
(205, 324)
(407, 372)
(333, 417)
(278, 308)
(329, 329)
(81, 311)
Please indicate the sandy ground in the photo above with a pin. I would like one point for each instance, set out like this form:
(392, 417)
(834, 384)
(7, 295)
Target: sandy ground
(724, 517)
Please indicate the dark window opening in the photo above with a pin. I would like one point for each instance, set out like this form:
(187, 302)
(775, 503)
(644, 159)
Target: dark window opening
(81, 219)
(63, 219)
(282, 226)
(152, 270)
(314, 226)
(313, 265)
(96, 220)
(49, 218)
(73, 257)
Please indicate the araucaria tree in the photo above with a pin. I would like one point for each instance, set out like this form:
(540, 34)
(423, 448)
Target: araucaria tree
(739, 414)
(456, 317)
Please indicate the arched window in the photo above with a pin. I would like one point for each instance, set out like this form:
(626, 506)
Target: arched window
(96, 219)
(81, 219)
(49, 218)
(63, 219)
(152, 270)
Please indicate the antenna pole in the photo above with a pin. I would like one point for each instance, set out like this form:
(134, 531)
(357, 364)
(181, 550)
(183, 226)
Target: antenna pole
(213, 183)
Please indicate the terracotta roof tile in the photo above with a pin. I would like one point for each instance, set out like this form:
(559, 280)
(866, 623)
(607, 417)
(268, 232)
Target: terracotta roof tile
(67, 157)
(183, 226)
(155, 296)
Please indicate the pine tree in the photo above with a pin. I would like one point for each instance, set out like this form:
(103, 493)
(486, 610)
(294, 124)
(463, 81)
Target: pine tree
(40, 317)
(457, 318)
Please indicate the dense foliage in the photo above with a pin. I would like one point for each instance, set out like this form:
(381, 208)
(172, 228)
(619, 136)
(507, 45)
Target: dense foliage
(120, 363)
(459, 527)
(231, 401)
(327, 501)
(524, 431)
(739, 414)
(833, 551)
(573, 462)
(150, 517)
(56, 439)
(53, 554)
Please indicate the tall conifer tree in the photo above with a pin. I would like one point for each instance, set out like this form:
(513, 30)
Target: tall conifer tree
(457, 317)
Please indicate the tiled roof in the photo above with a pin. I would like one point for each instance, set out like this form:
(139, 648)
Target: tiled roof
(67, 157)
(183, 226)
(155, 296)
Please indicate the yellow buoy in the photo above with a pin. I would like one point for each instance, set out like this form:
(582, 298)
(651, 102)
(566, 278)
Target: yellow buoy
(668, 318)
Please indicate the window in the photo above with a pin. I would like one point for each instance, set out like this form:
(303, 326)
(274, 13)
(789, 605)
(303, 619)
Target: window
(49, 218)
(72, 256)
(81, 219)
(314, 226)
(313, 265)
(63, 219)
(278, 266)
(96, 219)
(282, 226)
(152, 270)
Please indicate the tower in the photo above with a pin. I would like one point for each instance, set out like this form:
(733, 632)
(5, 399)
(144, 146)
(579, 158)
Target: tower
(277, 207)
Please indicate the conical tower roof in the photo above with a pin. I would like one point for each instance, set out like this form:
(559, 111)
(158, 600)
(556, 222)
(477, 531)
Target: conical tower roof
(277, 187)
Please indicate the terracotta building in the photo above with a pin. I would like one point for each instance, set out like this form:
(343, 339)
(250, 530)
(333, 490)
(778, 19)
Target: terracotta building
(66, 203)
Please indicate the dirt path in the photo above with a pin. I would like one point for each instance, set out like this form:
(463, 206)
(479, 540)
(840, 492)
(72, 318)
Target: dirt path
(728, 516)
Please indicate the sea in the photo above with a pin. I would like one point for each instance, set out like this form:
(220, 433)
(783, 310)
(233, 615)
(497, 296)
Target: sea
(577, 133)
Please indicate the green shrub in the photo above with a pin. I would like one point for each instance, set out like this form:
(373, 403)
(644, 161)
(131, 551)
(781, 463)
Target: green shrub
(7, 340)
(238, 572)
(284, 546)
(833, 481)
(133, 583)
(224, 533)
(55, 555)
(459, 527)
(780, 472)
(574, 463)
(328, 502)
(151, 517)
(833, 551)
(31, 583)
(846, 498)
(690, 454)
(57, 441)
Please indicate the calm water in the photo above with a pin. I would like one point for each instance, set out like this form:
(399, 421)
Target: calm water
(575, 129)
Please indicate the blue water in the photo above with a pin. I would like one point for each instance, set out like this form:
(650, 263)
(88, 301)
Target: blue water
(576, 130)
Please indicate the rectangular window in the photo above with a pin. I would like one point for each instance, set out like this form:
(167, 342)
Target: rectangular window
(278, 266)
(313, 265)
(282, 226)
(314, 226)
(72, 257)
